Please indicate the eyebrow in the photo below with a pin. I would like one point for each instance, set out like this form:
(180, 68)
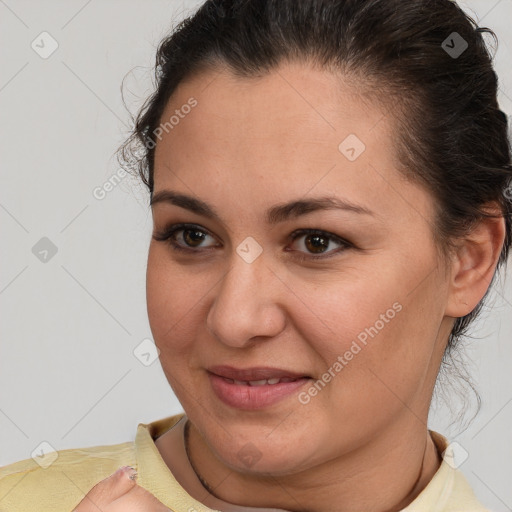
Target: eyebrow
(275, 214)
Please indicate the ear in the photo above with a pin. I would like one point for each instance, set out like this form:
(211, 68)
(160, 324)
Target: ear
(474, 263)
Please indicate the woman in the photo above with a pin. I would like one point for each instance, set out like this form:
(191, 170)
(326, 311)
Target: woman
(329, 190)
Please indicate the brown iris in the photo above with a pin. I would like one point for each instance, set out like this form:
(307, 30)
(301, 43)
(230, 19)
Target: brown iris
(193, 237)
(316, 243)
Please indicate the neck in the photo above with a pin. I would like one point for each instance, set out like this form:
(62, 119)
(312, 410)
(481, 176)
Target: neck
(391, 480)
(204, 483)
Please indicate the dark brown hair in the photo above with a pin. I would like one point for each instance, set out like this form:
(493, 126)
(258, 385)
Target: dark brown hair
(425, 60)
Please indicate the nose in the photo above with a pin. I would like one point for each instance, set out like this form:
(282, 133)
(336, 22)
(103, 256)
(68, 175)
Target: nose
(247, 306)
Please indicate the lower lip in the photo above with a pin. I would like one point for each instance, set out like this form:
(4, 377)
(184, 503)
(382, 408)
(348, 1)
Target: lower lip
(253, 397)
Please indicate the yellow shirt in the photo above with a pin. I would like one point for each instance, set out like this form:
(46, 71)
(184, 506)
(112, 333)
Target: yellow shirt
(28, 486)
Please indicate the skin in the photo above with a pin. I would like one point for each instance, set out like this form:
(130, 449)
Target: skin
(119, 493)
(361, 443)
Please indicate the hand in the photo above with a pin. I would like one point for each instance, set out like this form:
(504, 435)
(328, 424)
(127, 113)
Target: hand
(119, 493)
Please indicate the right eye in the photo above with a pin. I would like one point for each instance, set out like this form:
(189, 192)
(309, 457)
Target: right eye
(191, 235)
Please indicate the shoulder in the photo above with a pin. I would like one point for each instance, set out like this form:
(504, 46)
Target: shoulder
(58, 481)
(449, 490)
(463, 497)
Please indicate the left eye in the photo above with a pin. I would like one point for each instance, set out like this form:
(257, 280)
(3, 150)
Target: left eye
(316, 242)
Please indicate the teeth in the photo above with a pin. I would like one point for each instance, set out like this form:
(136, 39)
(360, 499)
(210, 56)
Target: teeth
(258, 382)
(262, 382)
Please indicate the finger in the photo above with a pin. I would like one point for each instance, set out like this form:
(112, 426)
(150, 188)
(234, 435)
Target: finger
(108, 490)
(138, 499)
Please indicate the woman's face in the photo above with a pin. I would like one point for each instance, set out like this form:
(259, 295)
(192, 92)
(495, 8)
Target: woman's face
(362, 327)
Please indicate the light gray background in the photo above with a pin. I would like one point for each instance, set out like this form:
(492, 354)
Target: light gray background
(68, 374)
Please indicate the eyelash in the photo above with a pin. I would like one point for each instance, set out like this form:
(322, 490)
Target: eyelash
(166, 235)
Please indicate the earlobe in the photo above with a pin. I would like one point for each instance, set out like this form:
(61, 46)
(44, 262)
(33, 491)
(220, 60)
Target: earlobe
(474, 264)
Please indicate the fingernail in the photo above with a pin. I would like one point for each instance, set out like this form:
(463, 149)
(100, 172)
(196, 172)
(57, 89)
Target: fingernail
(129, 470)
(132, 472)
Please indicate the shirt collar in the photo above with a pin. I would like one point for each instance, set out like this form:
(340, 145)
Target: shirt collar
(155, 476)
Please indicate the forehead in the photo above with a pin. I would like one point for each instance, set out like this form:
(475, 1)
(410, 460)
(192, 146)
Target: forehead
(294, 131)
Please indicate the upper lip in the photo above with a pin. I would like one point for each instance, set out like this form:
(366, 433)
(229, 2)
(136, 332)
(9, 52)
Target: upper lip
(254, 373)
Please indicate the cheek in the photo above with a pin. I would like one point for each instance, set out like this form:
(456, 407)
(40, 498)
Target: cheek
(371, 332)
(173, 296)
(348, 307)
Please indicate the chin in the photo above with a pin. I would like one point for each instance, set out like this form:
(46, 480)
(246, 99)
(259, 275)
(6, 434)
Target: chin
(275, 464)
(259, 455)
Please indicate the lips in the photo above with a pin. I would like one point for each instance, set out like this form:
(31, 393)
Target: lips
(256, 376)
(254, 388)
